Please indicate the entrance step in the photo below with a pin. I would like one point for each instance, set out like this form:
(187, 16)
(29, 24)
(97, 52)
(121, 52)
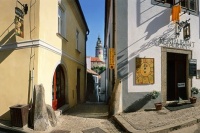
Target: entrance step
(61, 110)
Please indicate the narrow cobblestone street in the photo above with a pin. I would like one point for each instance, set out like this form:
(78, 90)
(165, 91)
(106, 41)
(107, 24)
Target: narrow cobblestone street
(87, 118)
(83, 118)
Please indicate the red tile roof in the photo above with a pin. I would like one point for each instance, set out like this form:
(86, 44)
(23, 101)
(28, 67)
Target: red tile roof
(95, 59)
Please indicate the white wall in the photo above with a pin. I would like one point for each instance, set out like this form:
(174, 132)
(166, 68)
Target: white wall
(139, 25)
(146, 23)
(88, 59)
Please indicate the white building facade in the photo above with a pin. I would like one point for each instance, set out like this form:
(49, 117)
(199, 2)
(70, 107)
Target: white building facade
(151, 51)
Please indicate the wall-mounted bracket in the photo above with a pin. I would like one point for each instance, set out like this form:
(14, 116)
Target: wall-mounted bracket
(25, 7)
(185, 25)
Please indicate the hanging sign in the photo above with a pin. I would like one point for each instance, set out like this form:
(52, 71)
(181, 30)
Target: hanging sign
(19, 27)
(19, 12)
(192, 67)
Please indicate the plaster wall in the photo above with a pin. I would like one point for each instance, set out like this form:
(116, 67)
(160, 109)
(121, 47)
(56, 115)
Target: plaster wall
(139, 26)
(33, 59)
(16, 83)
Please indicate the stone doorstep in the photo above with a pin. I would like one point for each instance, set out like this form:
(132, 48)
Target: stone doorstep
(61, 110)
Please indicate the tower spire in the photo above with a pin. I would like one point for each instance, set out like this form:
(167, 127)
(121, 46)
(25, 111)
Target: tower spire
(99, 49)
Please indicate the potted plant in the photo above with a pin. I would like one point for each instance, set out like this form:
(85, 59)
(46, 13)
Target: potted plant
(154, 94)
(194, 91)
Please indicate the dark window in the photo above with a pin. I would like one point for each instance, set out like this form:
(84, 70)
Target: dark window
(189, 4)
(192, 6)
(171, 2)
(165, 3)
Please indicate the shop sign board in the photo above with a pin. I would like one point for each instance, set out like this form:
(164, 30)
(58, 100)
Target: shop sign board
(111, 58)
(192, 67)
(19, 12)
(181, 85)
(176, 43)
(19, 27)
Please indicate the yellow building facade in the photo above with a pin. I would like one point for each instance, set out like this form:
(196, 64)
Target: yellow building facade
(47, 47)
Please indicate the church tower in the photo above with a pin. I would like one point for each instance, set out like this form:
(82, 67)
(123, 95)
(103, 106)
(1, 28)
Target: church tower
(99, 49)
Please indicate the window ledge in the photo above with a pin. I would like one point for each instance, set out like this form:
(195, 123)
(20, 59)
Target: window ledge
(78, 51)
(59, 35)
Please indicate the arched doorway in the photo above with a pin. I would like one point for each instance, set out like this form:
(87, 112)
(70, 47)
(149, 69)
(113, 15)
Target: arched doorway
(58, 88)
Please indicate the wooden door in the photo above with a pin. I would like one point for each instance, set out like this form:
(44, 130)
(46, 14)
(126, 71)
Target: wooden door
(58, 88)
(176, 76)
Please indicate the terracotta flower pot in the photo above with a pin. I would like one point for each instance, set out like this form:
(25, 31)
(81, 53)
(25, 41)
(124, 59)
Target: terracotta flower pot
(158, 106)
(193, 99)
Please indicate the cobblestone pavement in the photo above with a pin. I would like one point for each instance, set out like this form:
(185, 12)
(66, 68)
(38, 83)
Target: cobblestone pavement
(83, 118)
(147, 120)
(87, 118)
(151, 119)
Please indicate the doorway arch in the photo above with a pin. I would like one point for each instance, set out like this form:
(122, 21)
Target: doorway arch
(58, 88)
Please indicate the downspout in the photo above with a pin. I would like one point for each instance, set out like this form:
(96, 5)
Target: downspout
(87, 33)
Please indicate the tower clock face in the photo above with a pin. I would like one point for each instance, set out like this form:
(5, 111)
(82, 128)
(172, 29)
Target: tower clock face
(144, 70)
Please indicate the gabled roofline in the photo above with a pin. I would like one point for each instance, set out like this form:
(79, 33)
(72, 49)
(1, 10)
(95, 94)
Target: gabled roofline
(82, 15)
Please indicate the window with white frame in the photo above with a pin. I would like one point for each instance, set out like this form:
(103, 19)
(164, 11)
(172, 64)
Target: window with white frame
(192, 6)
(61, 21)
(77, 40)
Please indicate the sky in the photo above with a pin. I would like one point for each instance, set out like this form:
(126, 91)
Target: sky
(93, 11)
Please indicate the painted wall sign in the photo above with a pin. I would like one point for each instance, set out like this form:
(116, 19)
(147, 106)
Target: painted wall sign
(176, 43)
(19, 27)
(192, 67)
(111, 58)
(144, 71)
(181, 85)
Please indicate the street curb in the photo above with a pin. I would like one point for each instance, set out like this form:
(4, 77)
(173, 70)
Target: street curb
(120, 120)
(15, 129)
(163, 129)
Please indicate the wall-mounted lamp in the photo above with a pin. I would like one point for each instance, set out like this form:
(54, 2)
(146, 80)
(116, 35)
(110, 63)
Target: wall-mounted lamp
(186, 29)
(186, 32)
(25, 7)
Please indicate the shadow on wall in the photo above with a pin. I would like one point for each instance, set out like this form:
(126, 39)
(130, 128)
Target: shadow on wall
(5, 116)
(10, 37)
(137, 105)
(156, 24)
(122, 64)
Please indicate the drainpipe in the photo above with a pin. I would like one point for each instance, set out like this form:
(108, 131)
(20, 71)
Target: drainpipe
(87, 33)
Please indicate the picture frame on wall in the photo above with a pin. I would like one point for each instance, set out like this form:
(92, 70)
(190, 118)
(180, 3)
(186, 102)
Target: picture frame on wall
(144, 71)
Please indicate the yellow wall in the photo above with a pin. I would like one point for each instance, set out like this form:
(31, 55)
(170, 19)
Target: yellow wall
(16, 84)
(74, 59)
(7, 28)
(40, 49)
(15, 64)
